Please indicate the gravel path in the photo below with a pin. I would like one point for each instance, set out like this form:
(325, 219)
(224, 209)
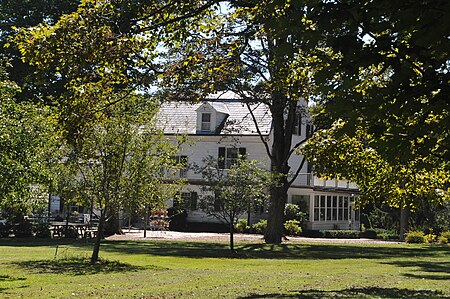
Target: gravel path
(224, 237)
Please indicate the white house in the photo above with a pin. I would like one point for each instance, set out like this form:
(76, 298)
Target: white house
(223, 127)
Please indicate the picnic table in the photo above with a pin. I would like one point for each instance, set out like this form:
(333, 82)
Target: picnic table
(83, 230)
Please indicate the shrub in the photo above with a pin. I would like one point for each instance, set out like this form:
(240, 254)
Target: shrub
(241, 226)
(292, 228)
(70, 232)
(415, 237)
(260, 227)
(293, 212)
(442, 240)
(369, 233)
(42, 230)
(446, 234)
(4, 230)
(23, 229)
(430, 238)
(340, 234)
(388, 235)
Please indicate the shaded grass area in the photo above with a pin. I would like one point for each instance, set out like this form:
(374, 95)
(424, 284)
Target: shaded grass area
(80, 266)
(281, 251)
(167, 269)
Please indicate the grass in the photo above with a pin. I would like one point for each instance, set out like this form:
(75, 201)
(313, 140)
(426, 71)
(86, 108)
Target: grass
(167, 269)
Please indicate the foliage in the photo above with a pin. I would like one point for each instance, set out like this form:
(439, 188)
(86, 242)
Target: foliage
(23, 229)
(292, 227)
(390, 76)
(430, 238)
(442, 240)
(241, 226)
(336, 154)
(23, 14)
(42, 230)
(260, 227)
(246, 50)
(415, 237)
(5, 229)
(26, 130)
(103, 48)
(446, 234)
(293, 212)
(121, 161)
(228, 193)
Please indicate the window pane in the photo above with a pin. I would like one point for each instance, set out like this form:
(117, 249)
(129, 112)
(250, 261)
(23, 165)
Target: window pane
(335, 208)
(316, 201)
(206, 117)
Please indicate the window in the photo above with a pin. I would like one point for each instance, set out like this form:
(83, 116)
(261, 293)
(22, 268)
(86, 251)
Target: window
(331, 208)
(206, 122)
(229, 155)
(186, 200)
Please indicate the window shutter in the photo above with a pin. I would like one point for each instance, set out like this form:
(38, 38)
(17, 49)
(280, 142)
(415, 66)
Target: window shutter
(299, 133)
(194, 199)
(221, 161)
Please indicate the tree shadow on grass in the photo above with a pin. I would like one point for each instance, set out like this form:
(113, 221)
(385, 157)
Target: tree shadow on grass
(81, 266)
(264, 251)
(372, 292)
(440, 270)
(9, 278)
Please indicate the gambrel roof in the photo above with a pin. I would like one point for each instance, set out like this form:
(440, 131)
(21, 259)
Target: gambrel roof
(181, 117)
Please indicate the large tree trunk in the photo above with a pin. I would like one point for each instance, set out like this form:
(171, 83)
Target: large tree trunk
(281, 146)
(98, 239)
(274, 230)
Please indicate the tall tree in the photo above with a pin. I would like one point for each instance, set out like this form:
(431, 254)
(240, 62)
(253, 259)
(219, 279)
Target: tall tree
(26, 130)
(122, 160)
(249, 48)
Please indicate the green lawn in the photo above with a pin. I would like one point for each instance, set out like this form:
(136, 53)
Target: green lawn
(166, 269)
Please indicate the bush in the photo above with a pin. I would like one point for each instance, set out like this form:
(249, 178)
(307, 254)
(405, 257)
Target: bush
(293, 212)
(388, 235)
(340, 234)
(4, 230)
(70, 232)
(379, 233)
(292, 228)
(369, 233)
(23, 229)
(260, 227)
(241, 226)
(415, 237)
(430, 238)
(446, 234)
(42, 230)
(442, 240)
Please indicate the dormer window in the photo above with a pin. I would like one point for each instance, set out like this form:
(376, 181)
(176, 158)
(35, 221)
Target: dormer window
(206, 122)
